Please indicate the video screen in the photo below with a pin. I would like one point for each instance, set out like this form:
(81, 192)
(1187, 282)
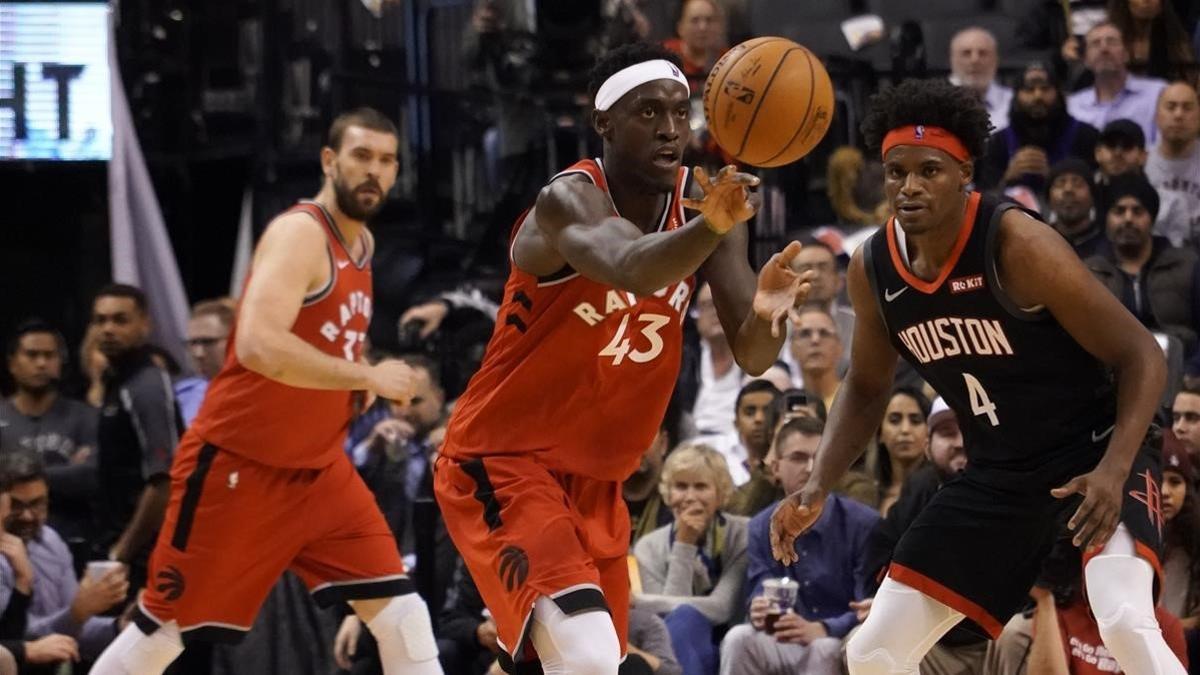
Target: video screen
(54, 81)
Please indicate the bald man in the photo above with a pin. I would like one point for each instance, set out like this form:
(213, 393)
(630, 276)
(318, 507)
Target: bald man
(1173, 165)
(974, 56)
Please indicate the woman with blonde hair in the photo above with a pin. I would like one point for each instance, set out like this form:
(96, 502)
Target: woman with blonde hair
(692, 570)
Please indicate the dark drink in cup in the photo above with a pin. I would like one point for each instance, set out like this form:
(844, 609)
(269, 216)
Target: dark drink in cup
(773, 615)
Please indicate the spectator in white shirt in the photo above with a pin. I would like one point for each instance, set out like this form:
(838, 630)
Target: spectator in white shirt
(1117, 94)
(973, 61)
(720, 376)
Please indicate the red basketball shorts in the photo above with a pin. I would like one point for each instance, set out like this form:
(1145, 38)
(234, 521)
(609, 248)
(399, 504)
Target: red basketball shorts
(233, 526)
(526, 532)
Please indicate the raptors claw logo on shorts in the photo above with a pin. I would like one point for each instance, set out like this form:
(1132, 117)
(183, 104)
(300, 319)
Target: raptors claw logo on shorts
(172, 583)
(514, 567)
(1152, 498)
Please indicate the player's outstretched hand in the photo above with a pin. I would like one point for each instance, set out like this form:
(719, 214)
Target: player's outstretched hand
(393, 380)
(780, 288)
(1096, 519)
(727, 199)
(795, 514)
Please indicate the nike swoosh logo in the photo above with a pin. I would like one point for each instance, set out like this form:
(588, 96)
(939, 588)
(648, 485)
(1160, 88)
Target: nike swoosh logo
(1097, 437)
(342, 264)
(890, 296)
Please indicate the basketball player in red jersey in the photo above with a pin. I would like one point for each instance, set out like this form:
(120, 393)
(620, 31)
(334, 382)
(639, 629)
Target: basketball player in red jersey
(260, 482)
(583, 360)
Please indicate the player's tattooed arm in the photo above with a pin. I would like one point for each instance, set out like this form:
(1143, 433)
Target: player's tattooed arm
(292, 261)
(1037, 267)
(575, 224)
(857, 411)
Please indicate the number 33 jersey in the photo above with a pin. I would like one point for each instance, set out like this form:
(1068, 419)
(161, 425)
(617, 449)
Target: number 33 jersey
(577, 373)
(1026, 394)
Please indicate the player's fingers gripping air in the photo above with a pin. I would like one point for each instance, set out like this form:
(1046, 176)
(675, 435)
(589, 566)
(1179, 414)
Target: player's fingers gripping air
(727, 200)
(393, 380)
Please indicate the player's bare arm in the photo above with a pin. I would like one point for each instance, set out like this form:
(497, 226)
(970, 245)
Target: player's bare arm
(857, 411)
(575, 225)
(1037, 267)
(290, 263)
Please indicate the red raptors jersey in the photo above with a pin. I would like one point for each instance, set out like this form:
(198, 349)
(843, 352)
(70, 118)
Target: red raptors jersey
(577, 372)
(280, 425)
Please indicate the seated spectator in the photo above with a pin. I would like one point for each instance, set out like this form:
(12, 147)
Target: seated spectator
(1116, 94)
(16, 591)
(396, 458)
(692, 571)
(1185, 418)
(807, 639)
(855, 188)
(62, 431)
(755, 414)
(701, 41)
(828, 284)
(720, 376)
(816, 347)
(647, 512)
(1181, 537)
(959, 651)
(1157, 43)
(973, 60)
(1071, 201)
(207, 335)
(1156, 282)
(1173, 165)
(1059, 28)
(61, 604)
(1121, 150)
(1040, 133)
(900, 444)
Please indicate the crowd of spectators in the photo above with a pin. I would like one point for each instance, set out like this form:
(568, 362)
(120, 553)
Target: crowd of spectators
(1101, 136)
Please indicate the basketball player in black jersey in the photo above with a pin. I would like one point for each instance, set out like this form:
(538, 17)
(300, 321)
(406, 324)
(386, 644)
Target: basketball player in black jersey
(1053, 381)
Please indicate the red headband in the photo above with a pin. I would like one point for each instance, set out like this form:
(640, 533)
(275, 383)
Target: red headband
(933, 137)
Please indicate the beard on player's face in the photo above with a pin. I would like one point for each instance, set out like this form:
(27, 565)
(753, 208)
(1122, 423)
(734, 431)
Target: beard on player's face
(360, 201)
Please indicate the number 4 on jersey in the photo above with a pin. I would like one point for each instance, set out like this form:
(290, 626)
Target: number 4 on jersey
(980, 403)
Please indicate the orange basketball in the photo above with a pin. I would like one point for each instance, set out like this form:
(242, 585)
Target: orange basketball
(768, 101)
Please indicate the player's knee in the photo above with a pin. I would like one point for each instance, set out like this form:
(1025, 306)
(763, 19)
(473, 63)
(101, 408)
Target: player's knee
(865, 655)
(136, 653)
(403, 630)
(1124, 622)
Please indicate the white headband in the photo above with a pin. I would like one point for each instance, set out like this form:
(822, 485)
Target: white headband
(623, 80)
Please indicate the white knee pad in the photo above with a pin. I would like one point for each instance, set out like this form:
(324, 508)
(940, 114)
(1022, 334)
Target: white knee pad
(1120, 593)
(903, 625)
(580, 644)
(135, 653)
(405, 636)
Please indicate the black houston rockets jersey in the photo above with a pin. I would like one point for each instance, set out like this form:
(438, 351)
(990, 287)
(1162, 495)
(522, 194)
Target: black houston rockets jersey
(1025, 392)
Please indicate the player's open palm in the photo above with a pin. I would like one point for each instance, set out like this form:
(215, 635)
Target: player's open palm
(727, 200)
(1096, 519)
(780, 287)
(796, 513)
(51, 649)
(393, 380)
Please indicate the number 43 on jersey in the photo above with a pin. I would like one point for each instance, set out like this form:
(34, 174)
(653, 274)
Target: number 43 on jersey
(619, 347)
